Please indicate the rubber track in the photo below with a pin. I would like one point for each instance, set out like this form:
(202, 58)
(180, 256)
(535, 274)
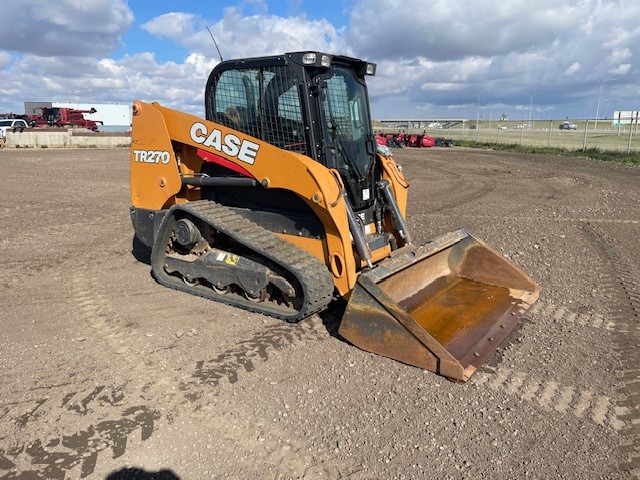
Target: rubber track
(312, 275)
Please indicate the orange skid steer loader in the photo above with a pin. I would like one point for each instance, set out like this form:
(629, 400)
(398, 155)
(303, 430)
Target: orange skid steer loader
(280, 201)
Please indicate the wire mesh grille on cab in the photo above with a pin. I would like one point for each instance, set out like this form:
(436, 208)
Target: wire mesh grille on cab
(261, 102)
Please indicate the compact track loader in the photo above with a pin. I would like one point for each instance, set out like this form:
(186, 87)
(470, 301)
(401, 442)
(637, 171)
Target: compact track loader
(280, 201)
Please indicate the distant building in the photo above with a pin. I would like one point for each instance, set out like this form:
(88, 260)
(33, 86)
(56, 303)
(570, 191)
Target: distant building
(625, 117)
(115, 117)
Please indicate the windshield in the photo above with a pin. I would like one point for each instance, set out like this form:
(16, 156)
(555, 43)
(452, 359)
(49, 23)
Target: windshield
(347, 115)
(5, 123)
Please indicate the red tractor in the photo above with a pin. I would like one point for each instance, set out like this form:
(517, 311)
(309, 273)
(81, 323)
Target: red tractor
(75, 118)
(391, 140)
(65, 117)
(423, 140)
(402, 139)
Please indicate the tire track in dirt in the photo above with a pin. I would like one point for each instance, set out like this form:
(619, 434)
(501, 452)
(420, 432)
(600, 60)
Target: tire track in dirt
(93, 419)
(623, 291)
(552, 395)
(104, 416)
(94, 311)
(54, 457)
(227, 366)
(488, 183)
(108, 410)
(561, 314)
(232, 365)
(56, 257)
(459, 196)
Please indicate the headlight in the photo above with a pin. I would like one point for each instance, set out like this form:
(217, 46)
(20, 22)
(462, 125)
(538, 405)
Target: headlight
(309, 58)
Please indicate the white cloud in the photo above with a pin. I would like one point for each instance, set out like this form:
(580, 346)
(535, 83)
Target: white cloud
(444, 52)
(621, 69)
(240, 36)
(174, 25)
(63, 27)
(573, 69)
(619, 55)
(5, 59)
(510, 47)
(80, 16)
(447, 29)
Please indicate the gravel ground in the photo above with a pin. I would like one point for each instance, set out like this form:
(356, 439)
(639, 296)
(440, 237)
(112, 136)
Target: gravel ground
(107, 375)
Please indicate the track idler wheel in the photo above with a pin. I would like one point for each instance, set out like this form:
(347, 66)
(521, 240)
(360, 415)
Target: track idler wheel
(220, 290)
(190, 282)
(187, 234)
(258, 297)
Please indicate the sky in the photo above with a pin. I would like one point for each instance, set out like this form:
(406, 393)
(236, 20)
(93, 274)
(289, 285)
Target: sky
(546, 59)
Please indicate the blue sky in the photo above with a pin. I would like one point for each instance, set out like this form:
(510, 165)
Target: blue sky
(138, 40)
(437, 58)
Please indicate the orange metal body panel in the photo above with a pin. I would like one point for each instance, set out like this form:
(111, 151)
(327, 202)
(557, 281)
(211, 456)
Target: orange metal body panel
(155, 179)
(156, 184)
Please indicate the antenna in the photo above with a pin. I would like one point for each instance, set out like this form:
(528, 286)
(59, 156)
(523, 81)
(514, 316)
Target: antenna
(214, 42)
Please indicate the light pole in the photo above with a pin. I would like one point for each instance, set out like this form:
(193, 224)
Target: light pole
(478, 115)
(435, 106)
(598, 103)
(464, 119)
(490, 114)
(426, 109)
(531, 103)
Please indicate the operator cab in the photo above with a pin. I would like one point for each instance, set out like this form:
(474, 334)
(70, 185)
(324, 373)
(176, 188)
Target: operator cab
(310, 103)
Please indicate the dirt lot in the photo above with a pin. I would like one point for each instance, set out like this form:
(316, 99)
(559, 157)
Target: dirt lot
(106, 374)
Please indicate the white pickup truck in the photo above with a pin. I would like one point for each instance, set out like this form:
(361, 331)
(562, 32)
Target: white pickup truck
(11, 125)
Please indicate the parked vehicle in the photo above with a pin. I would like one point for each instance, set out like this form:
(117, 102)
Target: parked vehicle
(12, 125)
(381, 139)
(401, 139)
(391, 140)
(68, 117)
(423, 140)
(568, 126)
(444, 142)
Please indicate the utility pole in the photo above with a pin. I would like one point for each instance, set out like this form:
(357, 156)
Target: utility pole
(598, 103)
(478, 115)
(530, 104)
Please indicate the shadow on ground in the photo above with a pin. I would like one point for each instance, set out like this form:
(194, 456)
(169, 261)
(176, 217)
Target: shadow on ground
(138, 474)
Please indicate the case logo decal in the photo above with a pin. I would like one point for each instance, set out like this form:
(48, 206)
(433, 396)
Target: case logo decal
(229, 144)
